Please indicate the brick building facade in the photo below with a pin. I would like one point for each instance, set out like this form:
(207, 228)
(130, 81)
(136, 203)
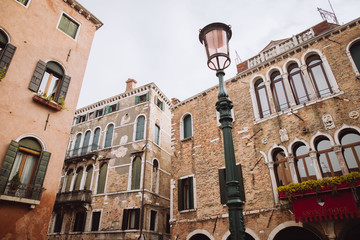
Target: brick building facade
(115, 182)
(44, 48)
(296, 118)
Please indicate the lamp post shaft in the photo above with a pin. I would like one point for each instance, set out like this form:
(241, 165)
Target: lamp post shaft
(234, 202)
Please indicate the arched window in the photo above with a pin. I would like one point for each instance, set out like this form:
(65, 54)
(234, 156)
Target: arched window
(7, 52)
(157, 134)
(85, 146)
(89, 173)
(318, 76)
(279, 92)
(135, 173)
(298, 84)
(109, 136)
(281, 168)
(262, 99)
(79, 174)
(350, 141)
(328, 161)
(140, 127)
(95, 143)
(77, 144)
(51, 81)
(155, 176)
(355, 54)
(3, 41)
(304, 165)
(102, 178)
(69, 177)
(187, 126)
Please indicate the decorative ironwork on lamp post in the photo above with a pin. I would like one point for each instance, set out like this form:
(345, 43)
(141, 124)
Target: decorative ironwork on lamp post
(215, 37)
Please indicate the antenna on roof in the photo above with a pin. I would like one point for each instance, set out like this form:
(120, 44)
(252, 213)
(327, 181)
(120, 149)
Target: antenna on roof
(330, 17)
(237, 59)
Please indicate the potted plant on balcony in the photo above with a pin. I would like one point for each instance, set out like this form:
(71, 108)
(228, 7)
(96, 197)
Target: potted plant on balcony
(14, 184)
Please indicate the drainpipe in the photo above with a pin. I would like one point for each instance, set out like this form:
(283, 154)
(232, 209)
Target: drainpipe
(144, 167)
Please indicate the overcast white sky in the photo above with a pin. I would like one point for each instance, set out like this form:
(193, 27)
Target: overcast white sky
(157, 41)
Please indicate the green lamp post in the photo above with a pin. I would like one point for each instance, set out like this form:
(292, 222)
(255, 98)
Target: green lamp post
(215, 37)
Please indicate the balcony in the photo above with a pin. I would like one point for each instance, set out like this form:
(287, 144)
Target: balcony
(25, 193)
(80, 153)
(75, 197)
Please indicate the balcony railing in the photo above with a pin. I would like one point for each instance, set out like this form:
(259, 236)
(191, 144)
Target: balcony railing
(28, 191)
(82, 151)
(80, 197)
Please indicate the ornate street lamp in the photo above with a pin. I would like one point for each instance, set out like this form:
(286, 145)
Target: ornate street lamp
(215, 37)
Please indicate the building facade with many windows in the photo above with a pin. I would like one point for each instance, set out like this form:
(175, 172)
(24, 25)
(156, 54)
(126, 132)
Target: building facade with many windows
(44, 48)
(296, 134)
(115, 182)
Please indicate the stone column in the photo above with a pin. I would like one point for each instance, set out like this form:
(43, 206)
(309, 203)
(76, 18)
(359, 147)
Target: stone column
(340, 156)
(289, 93)
(270, 96)
(309, 82)
(255, 103)
(291, 161)
(313, 156)
(273, 181)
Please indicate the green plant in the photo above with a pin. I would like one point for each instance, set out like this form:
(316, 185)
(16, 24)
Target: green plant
(2, 73)
(15, 182)
(61, 102)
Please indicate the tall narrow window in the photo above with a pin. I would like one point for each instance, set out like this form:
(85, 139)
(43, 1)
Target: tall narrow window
(262, 99)
(355, 54)
(58, 222)
(350, 142)
(102, 178)
(68, 26)
(89, 173)
(281, 168)
(3, 41)
(153, 216)
(77, 145)
(318, 76)
(185, 194)
(95, 221)
(69, 177)
(328, 161)
(109, 136)
(95, 143)
(187, 126)
(135, 173)
(131, 218)
(157, 135)
(78, 178)
(140, 126)
(85, 146)
(303, 163)
(79, 223)
(155, 176)
(298, 84)
(279, 92)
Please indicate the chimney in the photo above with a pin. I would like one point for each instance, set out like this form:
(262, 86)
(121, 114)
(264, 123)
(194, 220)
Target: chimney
(130, 84)
(175, 101)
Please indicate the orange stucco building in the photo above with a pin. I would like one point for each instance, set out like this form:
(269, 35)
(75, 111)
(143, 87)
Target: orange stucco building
(44, 48)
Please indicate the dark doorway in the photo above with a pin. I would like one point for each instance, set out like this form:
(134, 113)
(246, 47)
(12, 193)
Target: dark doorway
(296, 233)
(199, 237)
(351, 231)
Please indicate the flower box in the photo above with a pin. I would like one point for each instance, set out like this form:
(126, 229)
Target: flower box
(50, 104)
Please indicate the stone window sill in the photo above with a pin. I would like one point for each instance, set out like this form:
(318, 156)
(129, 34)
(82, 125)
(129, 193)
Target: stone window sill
(50, 104)
(188, 210)
(31, 202)
(187, 139)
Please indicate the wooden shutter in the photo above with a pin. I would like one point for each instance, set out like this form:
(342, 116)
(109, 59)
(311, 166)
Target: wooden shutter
(85, 146)
(180, 195)
(7, 164)
(125, 219)
(191, 192)
(107, 109)
(147, 96)
(40, 174)
(102, 179)
(137, 100)
(95, 142)
(162, 106)
(7, 56)
(140, 125)
(222, 185)
(117, 106)
(37, 77)
(137, 218)
(109, 135)
(78, 179)
(135, 173)
(63, 88)
(69, 177)
(88, 177)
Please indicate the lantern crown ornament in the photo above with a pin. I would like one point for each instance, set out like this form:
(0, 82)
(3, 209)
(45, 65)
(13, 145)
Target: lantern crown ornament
(215, 38)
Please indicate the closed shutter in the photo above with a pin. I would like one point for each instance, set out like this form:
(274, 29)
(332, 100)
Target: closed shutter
(7, 164)
(140, 128)
(7, 56)
(102, 179)
(85, 146)
(191, 193)
(88, 178)
(222, 185)
(135, 174)
(40, 174)
(95, 142)
(117, 106)
(180, 195)
(69, 178)
(125, 219)
(63, 88)
(137, 100)
(78, 179)
(162, 106)
(147, 96)
(37, 77)
(109, 135)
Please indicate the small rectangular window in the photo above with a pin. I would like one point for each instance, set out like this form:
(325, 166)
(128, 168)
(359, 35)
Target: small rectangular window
(222, 184)
(185, 194)
(131, 219)
(157, 135)
(81, 118)
(24, 2)
(79, 223)
(68, 26)
(152, 220)
(142, 98)
(159, 103)
(99, 113)
(91, 115)
(95, 222)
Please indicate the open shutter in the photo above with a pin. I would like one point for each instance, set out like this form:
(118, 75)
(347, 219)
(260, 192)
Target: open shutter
(7, 164)
(180, 195)
(147, 96)
(37, 77)
(7, 56)
(40, 174)
(63, 88)
(137, 100)
(222, 184)
(125, 219)
(191, 193)
(107, 109)
(137, 218)
(117, 106)
(162, 106)
(241, 183)
(155, 100)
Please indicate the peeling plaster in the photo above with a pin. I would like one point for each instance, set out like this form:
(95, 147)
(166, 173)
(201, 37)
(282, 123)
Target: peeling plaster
(121, 152)
(123, 140)
(125, 119)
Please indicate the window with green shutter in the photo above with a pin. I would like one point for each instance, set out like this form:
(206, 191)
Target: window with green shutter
(68, 26)
(79, 174)
(85, 146)
(187, 126)
(140, 127)
(77, 145)
(135, 173)
(95, 143)
(102, 178)
(142, 98)
(109, 136)
(23, 2)
(7, 52)
(89, 173)
(222, 184)
(69, 177)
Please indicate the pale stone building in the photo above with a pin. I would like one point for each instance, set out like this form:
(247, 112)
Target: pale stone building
(295, 118)
(44, 48)
(115, 182)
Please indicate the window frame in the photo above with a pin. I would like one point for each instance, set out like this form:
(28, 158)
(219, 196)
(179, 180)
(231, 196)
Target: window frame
(128, 215)
(101, 189)
(183, 126)
(350, 146)
(293, 85)
(350, 56)
(135, 171)
(325, 153)
(302, 158)
(277, 166)
(153, 220)
(107, 137)
(258, 99)
(72, 19)
(323, 70)
(137, 126)
(79, 221)
(275, 78)
(157, 134)
(98, 222)
(187, 199)
(24, 5)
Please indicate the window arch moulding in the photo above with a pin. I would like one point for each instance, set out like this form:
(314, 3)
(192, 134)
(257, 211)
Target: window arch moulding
(348, 53)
